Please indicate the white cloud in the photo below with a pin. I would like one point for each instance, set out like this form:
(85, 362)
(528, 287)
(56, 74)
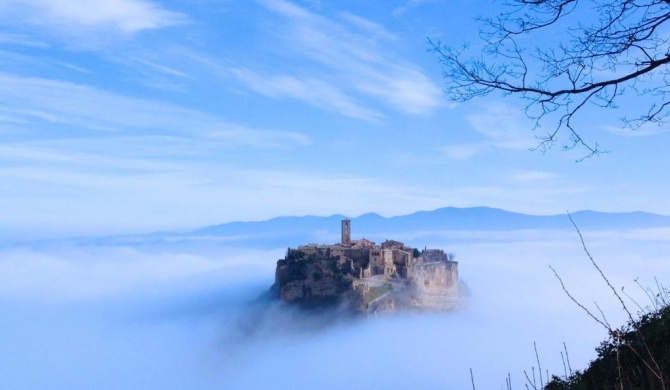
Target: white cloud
(368, 26)
(461, 152)
(528, 176)
(27, 101)
(409, 5)
(312, 91)
(127, 16)
(154, 66)
(405, 89)
(20, 39)
(244, 136)
(357, 59)
(503, 126)
(79, 105)
(646, 130)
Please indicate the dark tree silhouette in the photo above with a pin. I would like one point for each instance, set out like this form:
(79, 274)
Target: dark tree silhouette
(588, 52)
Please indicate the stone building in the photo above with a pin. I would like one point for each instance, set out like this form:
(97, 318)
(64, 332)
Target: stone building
(392, 258)
(368, 276)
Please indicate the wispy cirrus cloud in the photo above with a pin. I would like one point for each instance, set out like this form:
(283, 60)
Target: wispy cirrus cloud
(20, 40)
(32, 103)
(126, 16)
(502, 126)
(409, 5)
(532, 176)
(462, 151)
(310, 90)
(348, 55)
(646, 130)
(368, 26)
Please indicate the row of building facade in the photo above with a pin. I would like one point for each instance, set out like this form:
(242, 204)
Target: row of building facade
(393, 259)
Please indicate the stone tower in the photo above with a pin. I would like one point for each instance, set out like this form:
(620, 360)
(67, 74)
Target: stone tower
(346, 231)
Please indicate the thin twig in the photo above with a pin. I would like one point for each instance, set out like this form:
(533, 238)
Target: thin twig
(565, 370)
(642, 310)
(539, 367)
(649, 295)
(567, 357)
(528, 379)
(602, 274)
(577, 302)
(603, 314)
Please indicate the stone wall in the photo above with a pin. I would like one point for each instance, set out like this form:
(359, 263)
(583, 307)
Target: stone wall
(435, 285)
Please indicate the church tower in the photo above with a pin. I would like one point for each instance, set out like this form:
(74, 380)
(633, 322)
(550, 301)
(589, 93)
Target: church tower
(346, 231)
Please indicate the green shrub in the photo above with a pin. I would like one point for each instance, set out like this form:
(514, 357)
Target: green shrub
(639, 351)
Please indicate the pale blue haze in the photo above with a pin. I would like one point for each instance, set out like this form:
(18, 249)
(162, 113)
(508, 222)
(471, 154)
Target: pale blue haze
(123, 116)
(142, 127)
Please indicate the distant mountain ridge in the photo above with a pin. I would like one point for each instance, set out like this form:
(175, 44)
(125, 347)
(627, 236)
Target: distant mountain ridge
(292, 231)
(450, 218)
(310, 228)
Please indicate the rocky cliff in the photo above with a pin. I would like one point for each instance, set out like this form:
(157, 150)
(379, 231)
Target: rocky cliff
(314, 282)
(435, 285)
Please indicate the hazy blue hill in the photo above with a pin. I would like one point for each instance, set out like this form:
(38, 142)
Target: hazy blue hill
(293, 231)
(452, 218)
(638, 219)
(281, 231)
(485, 218)
(448, 218)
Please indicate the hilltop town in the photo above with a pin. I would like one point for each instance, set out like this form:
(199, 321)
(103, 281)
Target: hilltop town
(367, 278)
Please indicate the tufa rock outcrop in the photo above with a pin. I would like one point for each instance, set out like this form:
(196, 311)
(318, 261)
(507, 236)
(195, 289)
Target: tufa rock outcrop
(367, 278)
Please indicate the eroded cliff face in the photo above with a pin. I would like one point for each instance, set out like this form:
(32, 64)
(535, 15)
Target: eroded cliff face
(434, 286)
(312, 282)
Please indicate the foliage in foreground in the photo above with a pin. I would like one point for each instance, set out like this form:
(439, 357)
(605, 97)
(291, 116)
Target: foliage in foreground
(636, 356)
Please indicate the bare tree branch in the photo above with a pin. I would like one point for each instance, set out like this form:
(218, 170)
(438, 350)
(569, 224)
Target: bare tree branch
(610, 47)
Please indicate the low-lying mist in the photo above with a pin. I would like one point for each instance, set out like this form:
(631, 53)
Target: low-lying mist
(124, 317)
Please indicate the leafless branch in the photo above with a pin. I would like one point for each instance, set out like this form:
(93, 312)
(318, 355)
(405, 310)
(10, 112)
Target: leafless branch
(609, 45)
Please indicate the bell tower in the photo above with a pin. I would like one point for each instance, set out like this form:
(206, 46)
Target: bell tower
(346, 231)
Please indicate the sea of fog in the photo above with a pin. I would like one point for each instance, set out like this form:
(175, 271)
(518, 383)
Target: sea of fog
(75, 316)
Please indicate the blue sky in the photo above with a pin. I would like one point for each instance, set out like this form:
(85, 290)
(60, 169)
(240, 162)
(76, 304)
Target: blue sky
(136, 115)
